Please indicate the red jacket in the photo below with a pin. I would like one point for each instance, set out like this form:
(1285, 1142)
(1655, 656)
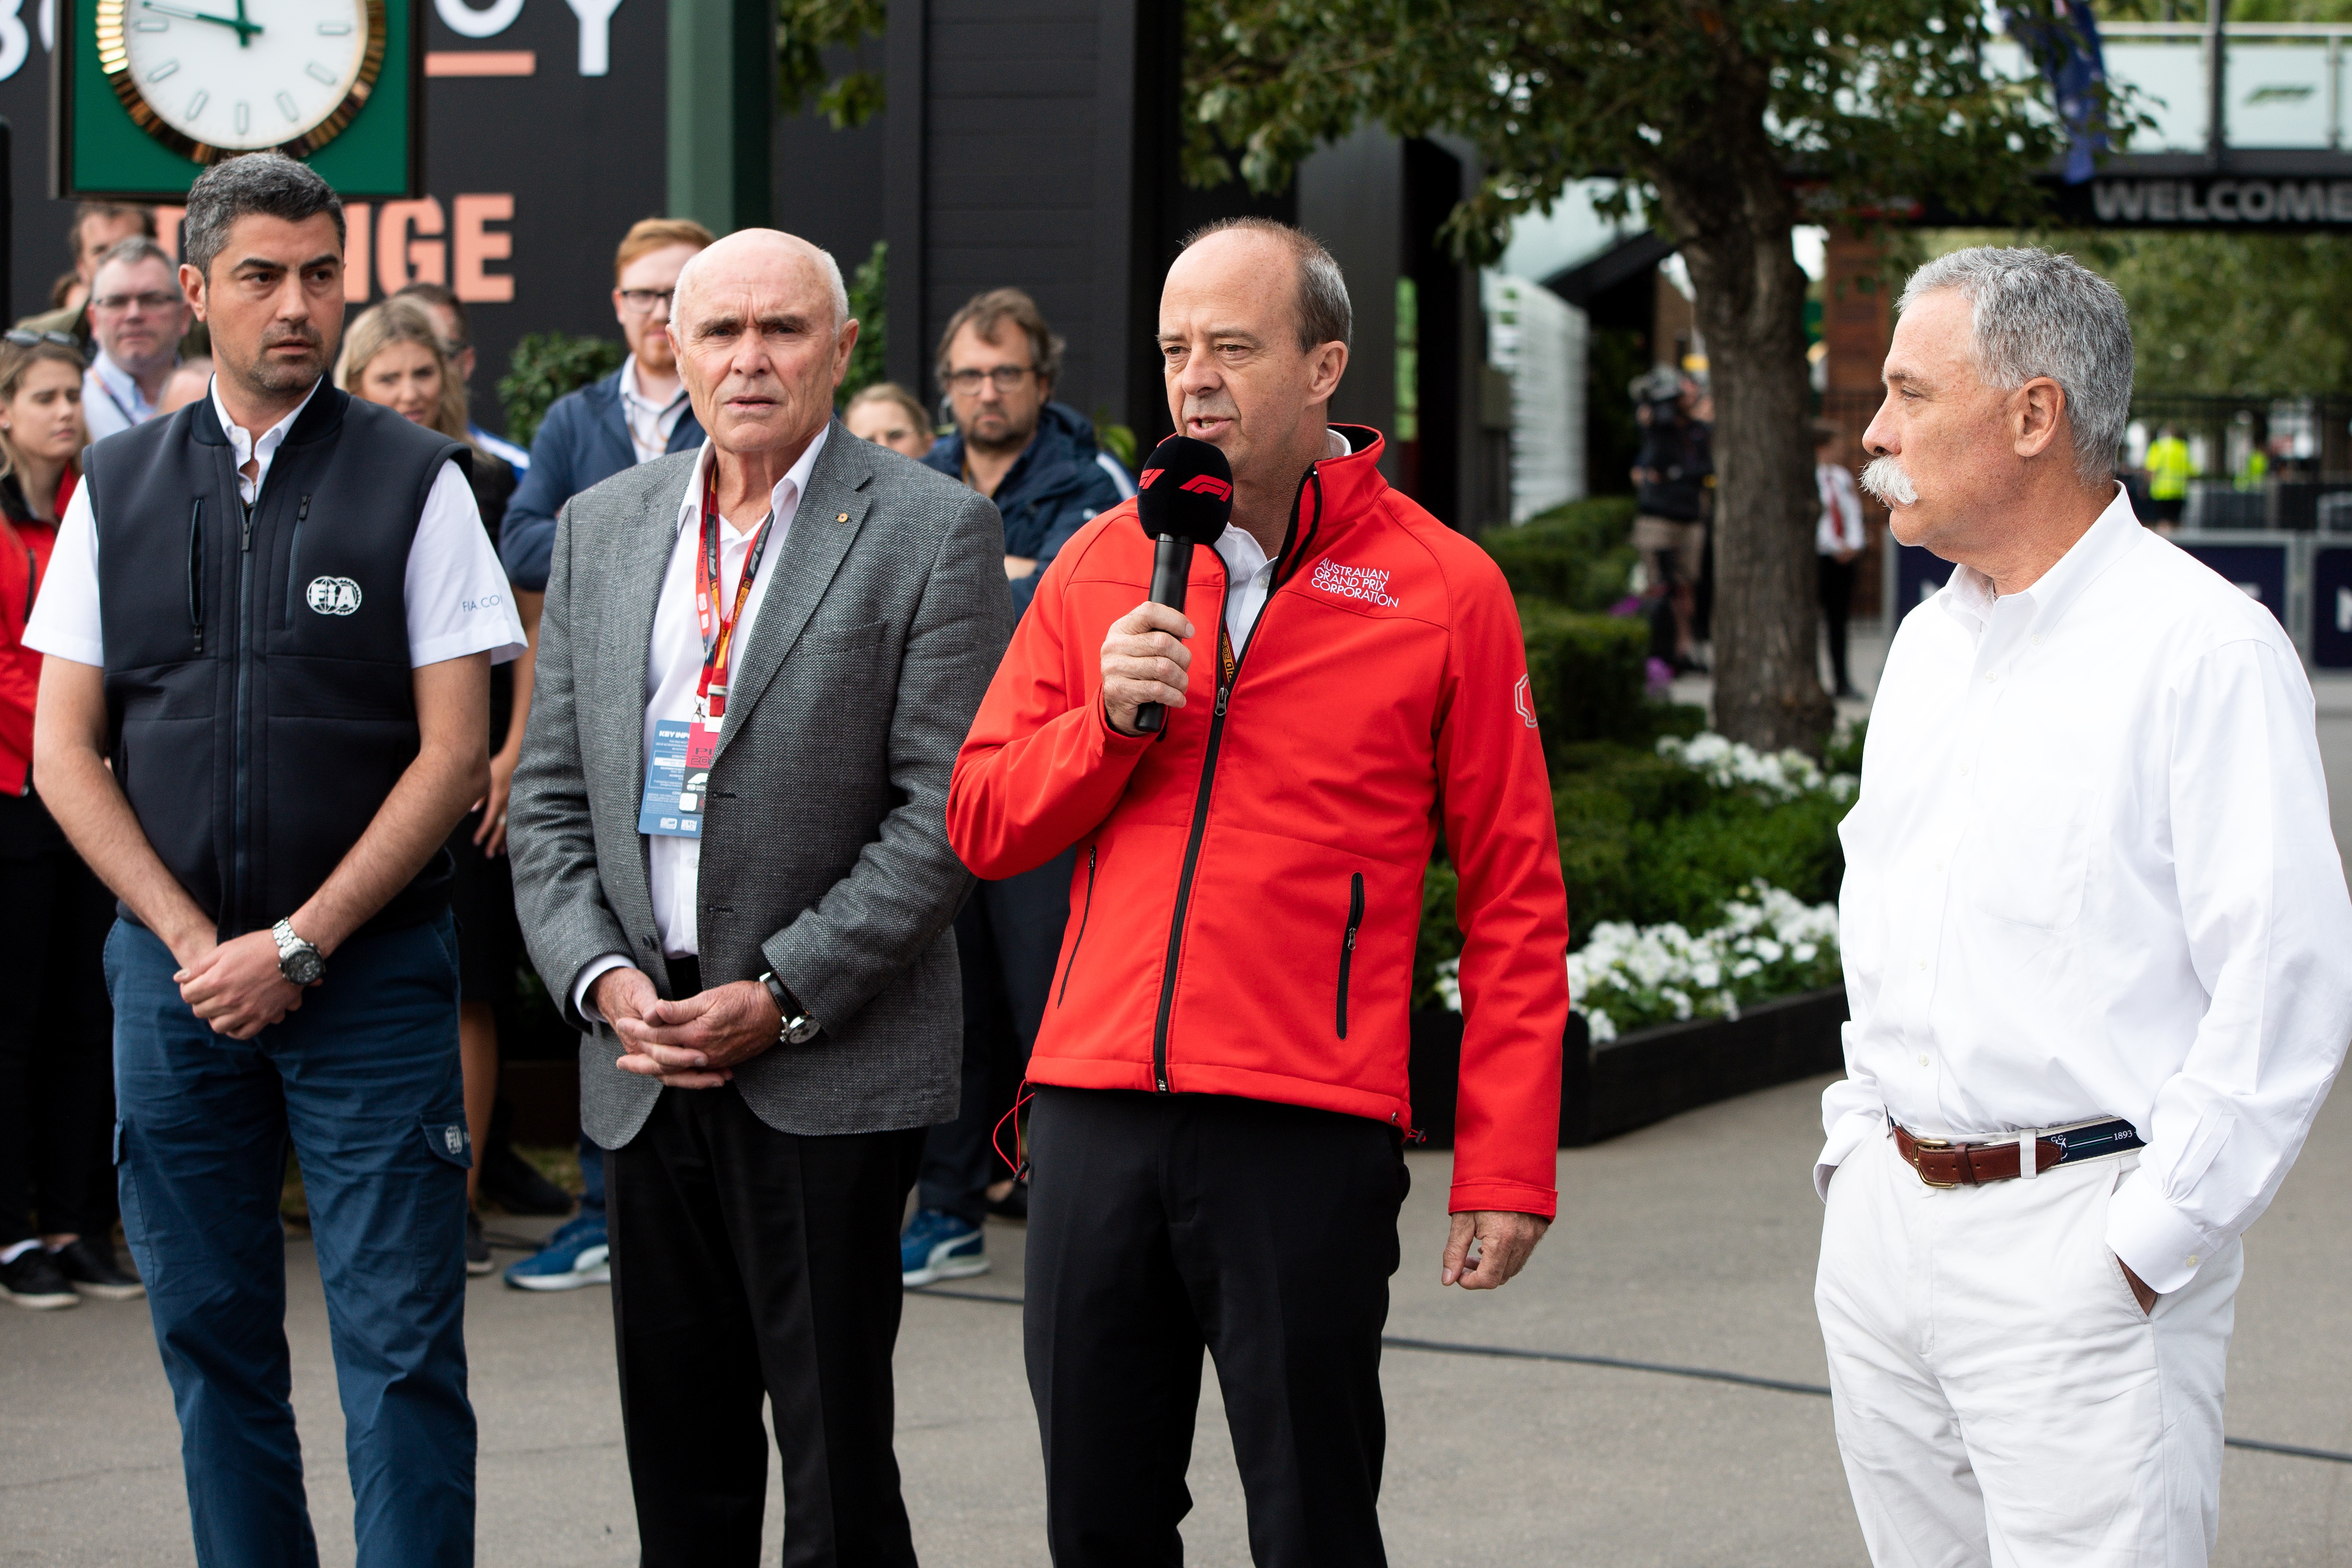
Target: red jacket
(24, 560)
(1248, 895)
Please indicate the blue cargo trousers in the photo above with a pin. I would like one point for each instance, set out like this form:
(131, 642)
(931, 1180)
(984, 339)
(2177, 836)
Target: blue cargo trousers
(363, 1080)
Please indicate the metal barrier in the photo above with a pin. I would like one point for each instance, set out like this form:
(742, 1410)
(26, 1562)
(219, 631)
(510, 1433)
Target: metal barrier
(2305, 580)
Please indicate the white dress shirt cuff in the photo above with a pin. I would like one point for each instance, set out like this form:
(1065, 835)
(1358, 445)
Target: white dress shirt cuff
(594, 972)
(1846, 1139)
(2155, 1241)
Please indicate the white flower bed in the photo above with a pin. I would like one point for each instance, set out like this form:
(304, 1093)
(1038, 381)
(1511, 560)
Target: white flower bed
(1630, 978)
(1732, 764)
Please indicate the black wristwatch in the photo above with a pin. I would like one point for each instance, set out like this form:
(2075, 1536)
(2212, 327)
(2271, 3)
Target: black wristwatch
(798, 1027)
(298, 961)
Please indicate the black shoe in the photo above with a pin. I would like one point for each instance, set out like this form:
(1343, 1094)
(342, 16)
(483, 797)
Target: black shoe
(1013, 1206)
(478, 1249)
(32, 1279)
(90, 1267)
(515, 1184)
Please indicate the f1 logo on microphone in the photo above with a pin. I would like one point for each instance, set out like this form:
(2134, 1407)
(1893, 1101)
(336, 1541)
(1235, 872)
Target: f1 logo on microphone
(1149, 475)
(1207, 485)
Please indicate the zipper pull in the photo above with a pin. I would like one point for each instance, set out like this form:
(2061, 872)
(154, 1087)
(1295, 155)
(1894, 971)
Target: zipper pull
(245, 538)
(1224, 695)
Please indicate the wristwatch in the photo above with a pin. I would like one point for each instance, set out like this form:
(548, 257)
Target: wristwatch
(298, 961)
(798, 1027)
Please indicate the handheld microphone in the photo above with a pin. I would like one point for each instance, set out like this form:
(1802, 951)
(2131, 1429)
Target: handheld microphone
(1184, 497)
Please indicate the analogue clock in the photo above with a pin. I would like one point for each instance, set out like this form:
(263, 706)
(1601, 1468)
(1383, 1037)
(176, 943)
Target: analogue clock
(210, 79)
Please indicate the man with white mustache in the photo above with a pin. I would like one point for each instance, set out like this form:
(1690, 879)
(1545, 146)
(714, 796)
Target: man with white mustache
(2093, 923)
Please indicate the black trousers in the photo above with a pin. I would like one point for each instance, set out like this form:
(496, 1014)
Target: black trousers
(57, 1045)
(1835, 582)
(750, 1263)
(1008, 938)
(1161, 1223)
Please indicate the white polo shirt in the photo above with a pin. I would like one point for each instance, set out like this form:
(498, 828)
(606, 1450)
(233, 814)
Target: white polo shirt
(458, 601)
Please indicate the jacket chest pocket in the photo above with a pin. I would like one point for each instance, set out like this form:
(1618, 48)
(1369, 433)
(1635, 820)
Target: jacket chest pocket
(2027, 855)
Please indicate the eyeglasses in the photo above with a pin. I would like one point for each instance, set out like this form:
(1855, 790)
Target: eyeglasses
(28, 340)
(637, 301)
(1004, 378)
(154, 300)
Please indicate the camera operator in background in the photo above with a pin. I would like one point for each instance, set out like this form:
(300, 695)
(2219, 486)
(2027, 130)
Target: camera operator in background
(1670, 479)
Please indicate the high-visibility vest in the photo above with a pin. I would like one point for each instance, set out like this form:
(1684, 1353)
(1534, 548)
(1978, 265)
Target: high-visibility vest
(2168, 468)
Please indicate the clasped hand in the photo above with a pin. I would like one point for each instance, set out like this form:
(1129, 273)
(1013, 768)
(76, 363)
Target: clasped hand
(235, 986)
(694, 1043)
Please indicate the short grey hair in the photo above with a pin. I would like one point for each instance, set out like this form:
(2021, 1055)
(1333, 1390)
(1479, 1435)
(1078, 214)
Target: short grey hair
(2040, 314)
(1325, 314)
(827, 267)
(133, 250)
(265, 184)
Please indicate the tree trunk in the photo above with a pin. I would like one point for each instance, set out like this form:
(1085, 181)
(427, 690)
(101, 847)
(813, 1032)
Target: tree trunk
(1724, 195)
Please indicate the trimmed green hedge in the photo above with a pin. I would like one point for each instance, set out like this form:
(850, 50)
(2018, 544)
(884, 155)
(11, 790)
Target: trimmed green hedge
(1588, 675)
(544, 368)
(1577, 555)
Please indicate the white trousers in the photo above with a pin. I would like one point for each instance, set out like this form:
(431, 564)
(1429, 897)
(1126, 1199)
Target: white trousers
(2000, 1397)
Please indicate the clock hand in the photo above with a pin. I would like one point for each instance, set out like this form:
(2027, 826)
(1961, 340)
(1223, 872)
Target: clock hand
(238, 22)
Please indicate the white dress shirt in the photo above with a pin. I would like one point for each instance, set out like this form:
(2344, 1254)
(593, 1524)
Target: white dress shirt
(2090, 874)
(1249, 575)
(456, 592)
(650, 423)
(1841, 524)
(111, 401)
(672, 670)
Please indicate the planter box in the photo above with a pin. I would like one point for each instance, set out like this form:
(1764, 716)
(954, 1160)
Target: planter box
(1650, 1075)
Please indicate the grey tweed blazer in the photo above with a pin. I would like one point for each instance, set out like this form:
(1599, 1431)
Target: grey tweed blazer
(825, 849)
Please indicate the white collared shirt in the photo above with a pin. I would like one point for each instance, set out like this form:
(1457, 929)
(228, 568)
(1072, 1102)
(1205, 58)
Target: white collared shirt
(453, 587)
(1249, 575)
(2090, 874)
(650, 423)
(672, 670)
(111, 401)
(1841, 524)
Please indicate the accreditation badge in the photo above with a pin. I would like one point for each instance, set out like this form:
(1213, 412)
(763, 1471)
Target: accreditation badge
(675, 785)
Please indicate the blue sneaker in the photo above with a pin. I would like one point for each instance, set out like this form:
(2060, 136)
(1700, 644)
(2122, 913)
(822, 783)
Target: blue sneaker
(574, 1256)
(938, 1245)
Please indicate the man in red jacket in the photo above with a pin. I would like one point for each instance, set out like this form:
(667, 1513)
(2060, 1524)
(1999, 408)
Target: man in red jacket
(1222, 1087)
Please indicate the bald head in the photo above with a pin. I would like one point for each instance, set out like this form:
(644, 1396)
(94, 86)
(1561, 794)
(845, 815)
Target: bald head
(767, 256)
(762, 327)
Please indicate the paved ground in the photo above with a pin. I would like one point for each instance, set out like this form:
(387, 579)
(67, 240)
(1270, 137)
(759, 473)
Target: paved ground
(1690, 1243)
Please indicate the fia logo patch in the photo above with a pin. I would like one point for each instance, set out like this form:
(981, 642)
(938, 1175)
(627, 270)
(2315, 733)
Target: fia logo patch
(333, 595)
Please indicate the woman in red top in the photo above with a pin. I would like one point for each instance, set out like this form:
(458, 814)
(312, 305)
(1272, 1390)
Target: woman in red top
(56, 1034)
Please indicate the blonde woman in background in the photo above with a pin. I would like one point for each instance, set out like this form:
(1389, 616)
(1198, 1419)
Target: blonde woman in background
(890, 416)
(393, 355)
(56, 1096)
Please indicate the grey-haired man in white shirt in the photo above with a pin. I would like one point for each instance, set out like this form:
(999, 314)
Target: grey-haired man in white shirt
(2098, 952)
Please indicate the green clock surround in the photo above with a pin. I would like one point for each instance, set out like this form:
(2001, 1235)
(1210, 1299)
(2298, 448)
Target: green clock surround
(99, 149)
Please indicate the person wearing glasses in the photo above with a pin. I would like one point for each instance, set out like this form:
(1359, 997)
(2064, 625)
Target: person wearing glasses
(1037, 461)
(636, 415)
(139, 315)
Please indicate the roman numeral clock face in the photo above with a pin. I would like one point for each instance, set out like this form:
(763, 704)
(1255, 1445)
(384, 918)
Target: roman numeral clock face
(212, 78)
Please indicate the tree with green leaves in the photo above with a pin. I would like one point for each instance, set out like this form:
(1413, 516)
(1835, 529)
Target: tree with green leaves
(1729, 121)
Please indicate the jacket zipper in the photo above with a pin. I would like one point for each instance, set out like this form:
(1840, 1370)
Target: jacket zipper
(1347, 946)
(294, 560)
(234, 912)
(197, 571)
(1085, 911)
(1208, 776)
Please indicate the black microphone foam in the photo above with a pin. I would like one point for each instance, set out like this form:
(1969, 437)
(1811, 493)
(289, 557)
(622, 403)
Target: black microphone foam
(1184, 497)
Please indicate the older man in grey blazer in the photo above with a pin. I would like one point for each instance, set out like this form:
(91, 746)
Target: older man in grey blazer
(755, 665)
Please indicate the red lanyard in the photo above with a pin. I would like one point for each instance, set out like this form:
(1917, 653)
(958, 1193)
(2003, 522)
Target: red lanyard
(719, 633)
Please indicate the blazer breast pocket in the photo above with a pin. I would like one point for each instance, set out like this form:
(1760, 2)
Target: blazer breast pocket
(843, 639)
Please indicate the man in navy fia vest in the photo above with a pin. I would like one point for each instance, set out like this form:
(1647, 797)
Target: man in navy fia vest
(273, 614)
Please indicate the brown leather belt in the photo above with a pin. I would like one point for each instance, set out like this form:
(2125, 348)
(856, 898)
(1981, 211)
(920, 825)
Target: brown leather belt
(1943, 1164)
